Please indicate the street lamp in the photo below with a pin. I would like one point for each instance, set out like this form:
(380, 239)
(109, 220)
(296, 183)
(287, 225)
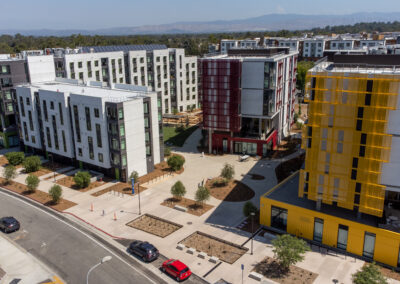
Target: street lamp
(252, 230)
(52, 165)
(104, 259)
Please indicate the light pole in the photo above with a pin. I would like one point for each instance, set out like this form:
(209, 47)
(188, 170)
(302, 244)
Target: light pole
(104, 259)
(52, 165)
(252, 230)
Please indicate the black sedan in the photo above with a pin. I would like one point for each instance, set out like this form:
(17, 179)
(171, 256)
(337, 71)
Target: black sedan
(9, 224)
(144, 250)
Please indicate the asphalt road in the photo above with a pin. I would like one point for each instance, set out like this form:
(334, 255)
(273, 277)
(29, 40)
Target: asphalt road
(67, 251)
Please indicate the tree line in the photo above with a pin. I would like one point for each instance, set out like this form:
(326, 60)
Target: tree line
(194, 44)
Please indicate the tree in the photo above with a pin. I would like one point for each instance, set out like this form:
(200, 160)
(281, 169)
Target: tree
(32, 182)
(82, 179)
(9, 173)
(302, 69)
(178, 190)
(369, 274)
(135, 176)
(176, 162)
(228, 171)
(249, 208)
(202, 195)
(32, 164)
(15, 158)
(289, 250)
(55, 193)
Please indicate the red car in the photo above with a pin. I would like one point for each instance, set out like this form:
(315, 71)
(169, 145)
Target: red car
(176, 269)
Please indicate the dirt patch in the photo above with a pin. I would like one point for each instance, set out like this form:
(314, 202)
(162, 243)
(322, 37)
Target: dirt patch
(38, 195)
(154, 225)
(257, 177)
(3, 161)
(160, 170)
(296, 275)
(225, 251)
(69, 182)
(191, 205)
(121, 187)
(287, 168)
(233, 191)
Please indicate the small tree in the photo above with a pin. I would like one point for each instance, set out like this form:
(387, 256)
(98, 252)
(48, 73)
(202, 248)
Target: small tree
(174, 110)
(32, 182)
(55, 193)
(15, 158)
(178, 190)
(176, 162)
(299, 109)
(32, 164)
(167, 152)
(249, 208)
(202, 195)
(295, 117)
(82, 179)
(289, 250)
(228, 171)
(369, 274)
(135, 176)
(9, 173)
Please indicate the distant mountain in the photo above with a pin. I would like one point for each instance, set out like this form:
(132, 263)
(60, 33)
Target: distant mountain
(270, 22)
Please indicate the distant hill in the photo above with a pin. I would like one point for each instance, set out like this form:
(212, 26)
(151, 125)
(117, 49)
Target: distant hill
(270, 22)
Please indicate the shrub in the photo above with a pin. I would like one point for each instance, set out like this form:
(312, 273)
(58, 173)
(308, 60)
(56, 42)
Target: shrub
(55, 193)
(202, 194)
(299, 125)
(220, 182)
(167, 152)
(15, 158)
(32, 164)
(178, 190)
(295, 117)
(176, 162)
(9, 173)
(248, 208)
(299, 109)
(228, 171)
(174, 110)
(82, 179)
(370, 274)
(289, 250)
(135, 176)
(32, 182)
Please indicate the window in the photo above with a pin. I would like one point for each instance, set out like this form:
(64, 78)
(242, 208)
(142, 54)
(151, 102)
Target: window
(77, 128)
(122, 130)
(123, 160)
(325, 133)
(147, 137)
(359, 125)
(80, 64)
(123, 146)
(46, 118)
(341, 135)
(360, 112)
(354, 174)
(48, 137)
(342, 237)
(88, 122)
(355, 163)
(339, 148)
(96, 112)
(114, 144)
(358, 187)
(100, 156)
(51, 105)
(356, 199)
(120, 113)
(61, 113)
(279, 218)
(146, 122)
(146, 108)
(309, 142)
(56, 145)
(318, 230)
(362, 151)
(33, 139)
(96, 63)
(30, 120)
(369, 245)
(309, 131)
(91, 151)
(363, 139)
(98, 135)
(28, 102)
(21, 105)
(26, 132)
(323, 145)
(148, 151)
(64, 141)
(80, 152)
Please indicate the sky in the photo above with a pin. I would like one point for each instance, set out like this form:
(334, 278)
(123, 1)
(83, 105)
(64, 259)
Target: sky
(97, 14)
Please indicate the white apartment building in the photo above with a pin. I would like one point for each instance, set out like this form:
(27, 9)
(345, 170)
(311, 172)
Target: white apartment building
(367, 43)
(227, 44)
(112, 130)
(314, 47)
(292, 43)
(249, 43)
(342, 43)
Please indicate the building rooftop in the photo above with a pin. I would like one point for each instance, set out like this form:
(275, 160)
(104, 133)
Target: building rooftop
(253, 53)
(287, 192)
(124, 48)
(119, 93)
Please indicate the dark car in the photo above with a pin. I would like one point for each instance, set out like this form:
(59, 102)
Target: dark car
(145, 250)
(9, 224)
(176, 269)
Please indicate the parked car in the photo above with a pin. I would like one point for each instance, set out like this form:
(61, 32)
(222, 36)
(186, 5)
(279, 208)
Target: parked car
(9, 224)
(176, 269)
(145, 250)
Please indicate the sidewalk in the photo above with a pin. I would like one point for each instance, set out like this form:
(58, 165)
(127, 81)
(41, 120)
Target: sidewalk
(21, 266)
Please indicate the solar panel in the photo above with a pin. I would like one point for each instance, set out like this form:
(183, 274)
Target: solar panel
(124, 48)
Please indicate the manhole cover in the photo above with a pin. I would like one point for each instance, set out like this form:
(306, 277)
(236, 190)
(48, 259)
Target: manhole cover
(189, 223)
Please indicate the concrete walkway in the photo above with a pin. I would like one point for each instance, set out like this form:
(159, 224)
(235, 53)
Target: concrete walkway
(20, 266)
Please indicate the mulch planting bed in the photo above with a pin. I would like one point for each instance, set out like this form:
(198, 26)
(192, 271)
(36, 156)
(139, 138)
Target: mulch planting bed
(286, 168)
(388, 273)
(160, 170)
(296, 275)
(191, 205)
(38, 195)
(69, 182)
(3, 161)
(234, 191)
(257, 177)
(154, 225)
(42, 171)
(225, 251)
(122, 187)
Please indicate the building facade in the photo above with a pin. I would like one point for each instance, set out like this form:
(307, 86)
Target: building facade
(115, 131)
(348, 190)
(248, 99)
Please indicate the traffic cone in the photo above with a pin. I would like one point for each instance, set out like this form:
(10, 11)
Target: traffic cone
(115, 216)
(91, 207)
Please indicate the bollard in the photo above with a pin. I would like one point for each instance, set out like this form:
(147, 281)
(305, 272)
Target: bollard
(115, 216)
(104, 213)
(91, 207)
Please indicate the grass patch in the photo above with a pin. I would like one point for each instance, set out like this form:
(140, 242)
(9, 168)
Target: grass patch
(176, 136)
